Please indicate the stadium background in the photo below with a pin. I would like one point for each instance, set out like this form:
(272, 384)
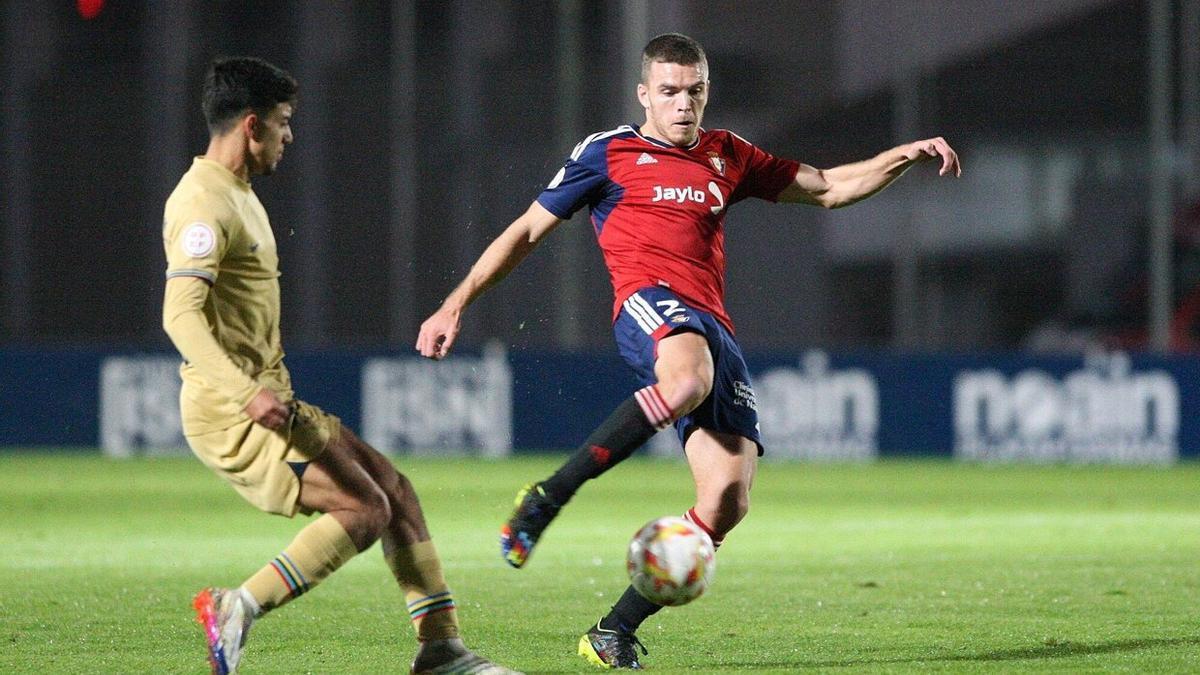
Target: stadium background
(1058, 277)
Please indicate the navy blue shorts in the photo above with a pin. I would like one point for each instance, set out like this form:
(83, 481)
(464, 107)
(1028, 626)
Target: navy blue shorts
(653, 313)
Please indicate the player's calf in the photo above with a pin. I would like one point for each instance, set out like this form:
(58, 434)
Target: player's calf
(717, 539)
(633, 423)
(625, 430)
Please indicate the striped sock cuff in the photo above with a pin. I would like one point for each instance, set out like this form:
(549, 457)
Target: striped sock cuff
(290, 574)
(654, 407)
(691, 517)
(430, 604)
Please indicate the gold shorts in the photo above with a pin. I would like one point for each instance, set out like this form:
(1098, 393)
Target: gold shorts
(254, 459)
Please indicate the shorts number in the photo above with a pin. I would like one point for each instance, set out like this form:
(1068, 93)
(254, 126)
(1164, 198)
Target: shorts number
(672, 307)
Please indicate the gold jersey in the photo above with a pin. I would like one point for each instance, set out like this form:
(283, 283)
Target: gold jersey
(221, 307)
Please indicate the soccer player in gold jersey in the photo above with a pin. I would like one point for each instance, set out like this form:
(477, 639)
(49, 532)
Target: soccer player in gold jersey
(240, 415)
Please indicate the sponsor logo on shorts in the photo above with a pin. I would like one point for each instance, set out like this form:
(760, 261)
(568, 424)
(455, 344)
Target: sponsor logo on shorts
(743, 395)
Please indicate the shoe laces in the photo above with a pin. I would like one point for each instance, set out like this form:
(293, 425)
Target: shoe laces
(633, 640)
(626, 646)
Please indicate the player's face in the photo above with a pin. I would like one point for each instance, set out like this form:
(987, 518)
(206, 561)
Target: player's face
(674, 97)
(271, 133)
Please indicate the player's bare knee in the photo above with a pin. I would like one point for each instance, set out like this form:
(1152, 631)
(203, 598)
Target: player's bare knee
(686, 391)
(363, 516)
(375, 512)
(403, 488)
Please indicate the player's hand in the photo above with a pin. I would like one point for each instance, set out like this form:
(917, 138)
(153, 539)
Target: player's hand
(932, 148)
(266, 409)
(438, 333)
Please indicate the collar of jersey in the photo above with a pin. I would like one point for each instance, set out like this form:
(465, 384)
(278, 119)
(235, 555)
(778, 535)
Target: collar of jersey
(637, 129)
(220, 170)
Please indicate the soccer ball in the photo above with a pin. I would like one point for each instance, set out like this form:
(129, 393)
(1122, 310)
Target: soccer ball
(670, 561)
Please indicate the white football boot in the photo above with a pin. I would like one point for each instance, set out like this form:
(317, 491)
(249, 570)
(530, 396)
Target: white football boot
(226, 621)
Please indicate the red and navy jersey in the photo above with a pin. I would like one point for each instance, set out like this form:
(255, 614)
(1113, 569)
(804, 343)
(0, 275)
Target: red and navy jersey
(659, 210)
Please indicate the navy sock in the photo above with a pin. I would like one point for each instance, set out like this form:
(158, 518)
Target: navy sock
(633, 423)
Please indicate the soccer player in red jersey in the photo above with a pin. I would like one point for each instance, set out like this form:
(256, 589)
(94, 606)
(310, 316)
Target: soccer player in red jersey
(657, 194)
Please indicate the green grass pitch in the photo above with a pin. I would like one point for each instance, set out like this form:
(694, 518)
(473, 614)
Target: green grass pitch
(897, 567)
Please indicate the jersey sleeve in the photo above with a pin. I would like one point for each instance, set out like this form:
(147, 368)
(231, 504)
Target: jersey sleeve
(764, 175)
(195, 238)
(186, 325)
(579, 182)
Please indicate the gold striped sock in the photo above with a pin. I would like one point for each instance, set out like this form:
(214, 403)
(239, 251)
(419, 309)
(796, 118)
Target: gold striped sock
(318, 550)
(430, 604)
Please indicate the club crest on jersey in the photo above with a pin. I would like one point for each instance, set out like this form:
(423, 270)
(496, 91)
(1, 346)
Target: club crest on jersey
(717, 162)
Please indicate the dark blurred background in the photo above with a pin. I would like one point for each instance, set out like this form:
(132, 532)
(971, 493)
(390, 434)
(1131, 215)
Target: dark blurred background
(424, 128)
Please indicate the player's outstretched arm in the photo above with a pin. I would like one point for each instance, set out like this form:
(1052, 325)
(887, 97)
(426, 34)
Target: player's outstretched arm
(849, 183)
(440, 330)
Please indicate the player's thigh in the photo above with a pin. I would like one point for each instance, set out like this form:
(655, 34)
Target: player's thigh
(408, 519)
(663, 339)
(684, 354)
(723, 467)
(376, 463)
(258, 462)
(338, 480)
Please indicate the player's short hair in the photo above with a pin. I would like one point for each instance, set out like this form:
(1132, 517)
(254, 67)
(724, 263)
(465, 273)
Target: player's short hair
(236, 84)
(672, 48)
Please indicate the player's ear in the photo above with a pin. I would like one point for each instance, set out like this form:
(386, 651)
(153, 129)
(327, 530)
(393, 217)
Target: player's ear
(250, 125)
(643, 94)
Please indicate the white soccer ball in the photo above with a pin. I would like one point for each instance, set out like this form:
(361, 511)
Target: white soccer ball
(670, 561)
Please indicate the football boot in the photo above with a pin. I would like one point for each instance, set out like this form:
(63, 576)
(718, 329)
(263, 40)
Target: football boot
(533, 512)
(226, 622)
(611, 648)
